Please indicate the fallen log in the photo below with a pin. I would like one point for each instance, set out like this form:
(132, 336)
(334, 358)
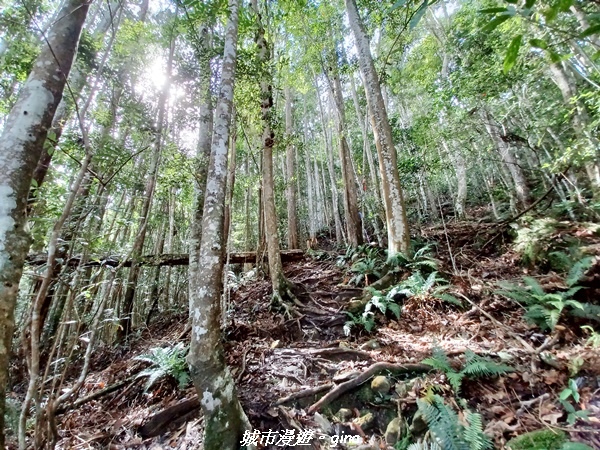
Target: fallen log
(181, 259)
(158, 423)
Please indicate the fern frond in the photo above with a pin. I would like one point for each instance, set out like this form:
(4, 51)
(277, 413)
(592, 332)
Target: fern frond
(455, 380)
(478, 366)
(588, 311)
(578, 270)
(431, 280)
(439, 360)
(424, 446)
(534, 285)
(474, 434)
(515, 292)
(449, 298)
(395, 309)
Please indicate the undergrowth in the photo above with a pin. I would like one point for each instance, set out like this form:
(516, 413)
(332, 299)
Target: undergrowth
(165, 362)
(475, 366)
(448, 430)
(545, 309)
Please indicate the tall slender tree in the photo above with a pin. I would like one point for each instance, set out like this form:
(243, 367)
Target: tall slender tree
(395, 208)
(224, 419)
(21, 145)
(281, 286)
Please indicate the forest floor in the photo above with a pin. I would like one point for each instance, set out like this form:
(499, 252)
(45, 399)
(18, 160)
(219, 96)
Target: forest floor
(276, 362)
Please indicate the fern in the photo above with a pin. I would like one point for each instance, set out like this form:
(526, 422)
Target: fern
(439, 360)
(168, 361)
(474, 434)
(578, 270)
(446, 428)
(421, 260)
(475, 367)
(424, 446)
(546, 309)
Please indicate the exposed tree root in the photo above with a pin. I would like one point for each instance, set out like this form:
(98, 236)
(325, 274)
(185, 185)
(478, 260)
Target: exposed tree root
(304, 393)
(340, 389)
(284, 299)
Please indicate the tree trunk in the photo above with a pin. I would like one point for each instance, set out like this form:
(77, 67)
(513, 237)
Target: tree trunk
(353, 222)
(21, 145)
(205, 126)
(281, 286)
(363, 124)
(395, 209)
(77, 82)
(339, 236)
(224, 419)
(460, 169)
(290, 159)
(509, 160)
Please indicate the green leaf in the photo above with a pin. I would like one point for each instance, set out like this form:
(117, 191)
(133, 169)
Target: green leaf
(492, 10)
(418, 15)
(395, 309)
(564, 5)
(594, 29)
(575, 304)
(529, 3)
(514, 2)
(512, 53)
(495, 23)
(398, 4)
(573, 388)
(538, 43)
(551, 13)
(565, 394)
(450, 299)
(555, 57)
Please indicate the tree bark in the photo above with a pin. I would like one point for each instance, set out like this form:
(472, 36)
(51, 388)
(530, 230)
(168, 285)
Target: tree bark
(290, 169)
(77, 82)
(395, 209)
(509, 160)
(339, 235)
(21, 145)
(224, 419)
(281, 286)
(353, 222)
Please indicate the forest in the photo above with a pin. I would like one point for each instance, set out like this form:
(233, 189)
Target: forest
(263, 224)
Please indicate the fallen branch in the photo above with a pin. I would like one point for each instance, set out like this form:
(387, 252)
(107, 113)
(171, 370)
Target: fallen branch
(160, 260)
(96, 395)
(327, 353)
(340, 389)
